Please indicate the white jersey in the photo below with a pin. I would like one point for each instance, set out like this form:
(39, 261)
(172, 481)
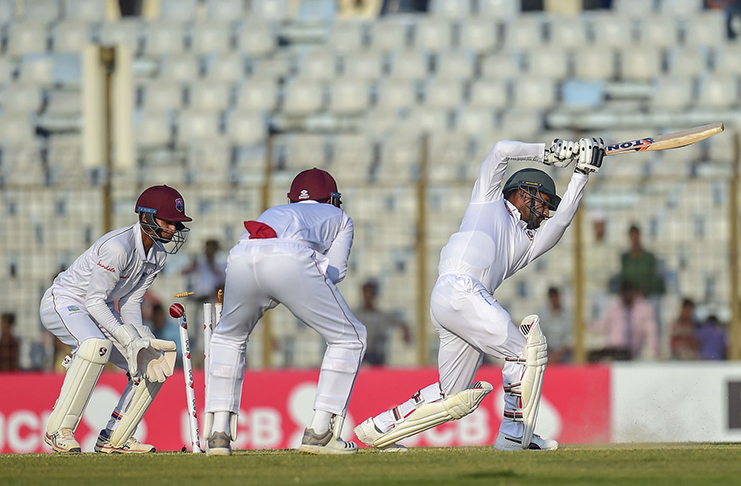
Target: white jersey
(493, 242)
(326, 229)
(114, 268)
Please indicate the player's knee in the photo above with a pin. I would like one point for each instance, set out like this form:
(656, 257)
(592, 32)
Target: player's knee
(95, 350)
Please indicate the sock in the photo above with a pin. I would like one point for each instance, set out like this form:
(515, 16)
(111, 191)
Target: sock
(320, 421)
(221, 422)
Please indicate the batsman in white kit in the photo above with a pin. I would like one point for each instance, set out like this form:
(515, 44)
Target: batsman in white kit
(503, 229)
(79, 309)
(293, 254)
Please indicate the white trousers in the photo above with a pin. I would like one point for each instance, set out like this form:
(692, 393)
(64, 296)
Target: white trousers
(261, 273)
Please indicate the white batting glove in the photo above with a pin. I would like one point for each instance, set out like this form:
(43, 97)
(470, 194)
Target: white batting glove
(591, 153)
(128, 337)
(561, 153)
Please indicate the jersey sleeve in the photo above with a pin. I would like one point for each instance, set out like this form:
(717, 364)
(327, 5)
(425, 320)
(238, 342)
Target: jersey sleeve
(104, 276)
(551, 231)
(339, 250)
(131, 305)
(488, 186)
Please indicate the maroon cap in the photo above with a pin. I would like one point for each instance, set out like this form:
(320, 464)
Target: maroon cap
(313, 184)
(163, 202)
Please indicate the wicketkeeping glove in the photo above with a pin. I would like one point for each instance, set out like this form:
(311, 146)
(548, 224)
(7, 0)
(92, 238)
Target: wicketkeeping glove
(591, 153)
(128, 337)
(157, 362)
(561, 153)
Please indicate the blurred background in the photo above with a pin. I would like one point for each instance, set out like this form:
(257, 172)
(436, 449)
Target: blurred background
(401, 100)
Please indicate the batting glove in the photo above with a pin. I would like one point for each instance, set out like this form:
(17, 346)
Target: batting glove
(591, 153)
(561, 153)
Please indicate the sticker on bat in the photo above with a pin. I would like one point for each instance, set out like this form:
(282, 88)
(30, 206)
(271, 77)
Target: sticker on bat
(637, 145)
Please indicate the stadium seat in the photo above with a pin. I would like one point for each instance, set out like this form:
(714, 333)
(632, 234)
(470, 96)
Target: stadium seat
(491, 94)
(442, 93)
(84, 10)
(161, 38)
(479, 35)
(349, 96)
(246, 128)
(316, 10)
(153, 129)
(40, 11)
(179, 67)
(409, 64)
(64, 102)
(460, 65)
(548, 62)
(305, 150)
(633, 7)
(396, 94)
(613, 31)
(211, 37)
(367, 65)
(272, 10)
(16, 129)
(318, 65)
(35, 70)
(521, 123)
(475, 120)
(727, 59)
(352, 157)
(125, 31)
(7, 11)
(303, 98)
(567, 32)
(457, 9)
(347, 36)
(7, 69)
(684, 8)
(687, 61)
(71, 36)
(27, 38)
(524, 32)
(21, 98)
(592, 63)
(499, 9)
(706, 29)
(672, 93)
(718, 92)
(501, 66)
(426, 120)
(194, 126)
(258, 95)
(721, 149)
(389, 35)
(177, 11)
(535, 93)
(639, 63)
(659, 32)
(399, 161)
(210, 96)
(271, 69)
(228, 67)
(161, 96)
(225, 10)
(433, 34)
(257, 40)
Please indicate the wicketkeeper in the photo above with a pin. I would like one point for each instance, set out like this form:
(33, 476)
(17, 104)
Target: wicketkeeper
(292, 254)
(504, 228)
(79, 309)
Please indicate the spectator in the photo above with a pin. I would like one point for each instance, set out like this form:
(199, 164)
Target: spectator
(206, 274)
(684, 344)
(379, 325)
(601, 264)
(165, 328)
(629, 327)
(711, 337)
(8, 343)
(558, 325)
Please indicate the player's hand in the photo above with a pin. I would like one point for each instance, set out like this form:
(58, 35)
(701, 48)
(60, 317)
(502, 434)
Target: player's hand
(591, 153)
(128, 337)
(157, 362)
(561, 153)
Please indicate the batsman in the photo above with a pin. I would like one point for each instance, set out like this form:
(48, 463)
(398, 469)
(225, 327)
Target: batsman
(503, 229)
(80, 309)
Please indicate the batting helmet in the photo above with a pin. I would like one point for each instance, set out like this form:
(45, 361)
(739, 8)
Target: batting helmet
(165, 203)
(314, 185)
(534, 181)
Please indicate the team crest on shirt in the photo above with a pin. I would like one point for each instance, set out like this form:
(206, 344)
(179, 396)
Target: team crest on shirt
(73, 308)
(530, 234)
(179, 205)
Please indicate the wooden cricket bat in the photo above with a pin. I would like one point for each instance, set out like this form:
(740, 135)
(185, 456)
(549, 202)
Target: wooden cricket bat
(668, 141)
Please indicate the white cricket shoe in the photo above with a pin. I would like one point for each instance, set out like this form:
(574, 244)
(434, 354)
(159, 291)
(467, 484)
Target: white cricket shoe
(131, 446)
(368, 433)
(506, 442)
(63, 440)
(219, 444)
(325, 443)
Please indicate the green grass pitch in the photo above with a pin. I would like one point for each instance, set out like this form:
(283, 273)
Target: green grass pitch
(634, 464)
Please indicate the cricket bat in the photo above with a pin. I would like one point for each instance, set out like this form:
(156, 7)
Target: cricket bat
(668, 141)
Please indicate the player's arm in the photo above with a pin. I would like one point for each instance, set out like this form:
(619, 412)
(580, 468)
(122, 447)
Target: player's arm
(130, 306)
(339, 250)
(488, 186)
(106, 273)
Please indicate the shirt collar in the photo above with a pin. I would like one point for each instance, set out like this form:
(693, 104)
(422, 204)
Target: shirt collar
(139, 243)
(514, 212)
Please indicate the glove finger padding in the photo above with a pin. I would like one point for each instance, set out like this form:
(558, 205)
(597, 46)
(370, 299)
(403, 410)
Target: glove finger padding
(128, 337)
(561, 153)
(591, 153)
(158, 360)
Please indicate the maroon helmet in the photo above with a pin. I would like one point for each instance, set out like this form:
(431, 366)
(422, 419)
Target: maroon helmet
(165, 203)
(314, 185)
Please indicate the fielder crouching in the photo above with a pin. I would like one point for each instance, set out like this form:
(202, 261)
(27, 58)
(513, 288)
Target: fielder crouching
(293, 254)
(79, 309)
(504, 228)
